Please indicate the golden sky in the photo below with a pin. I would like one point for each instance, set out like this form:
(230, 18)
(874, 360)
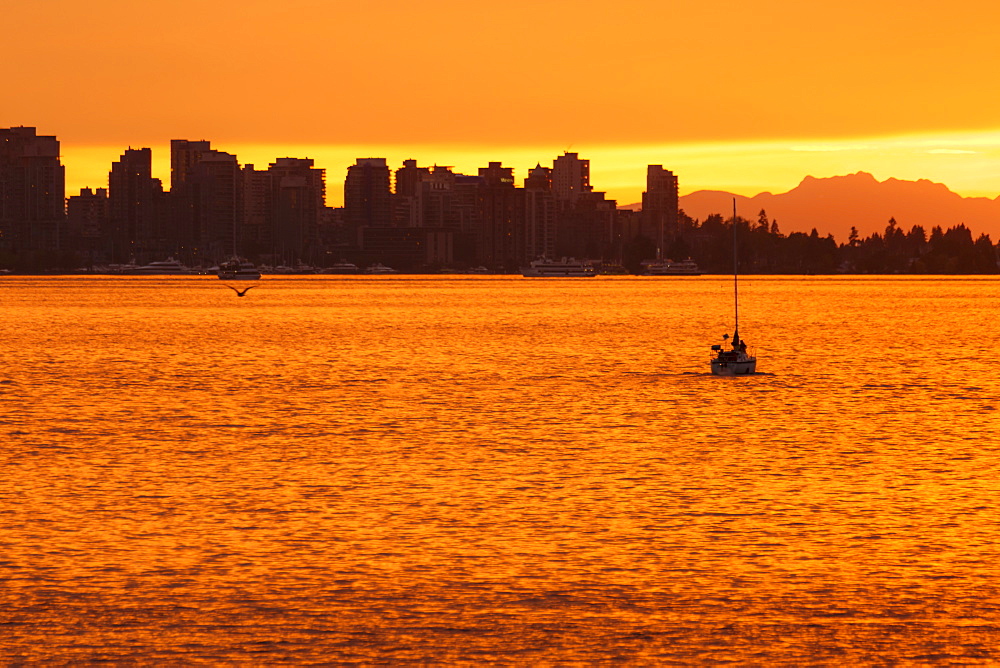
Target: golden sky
(730, 95)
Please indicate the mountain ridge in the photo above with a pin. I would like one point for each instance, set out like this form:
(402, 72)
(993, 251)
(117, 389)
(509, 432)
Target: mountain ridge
(832, 205)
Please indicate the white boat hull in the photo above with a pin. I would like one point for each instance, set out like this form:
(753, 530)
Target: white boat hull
(557, 273)
(242, 275)
(734, 368)
(565, 268)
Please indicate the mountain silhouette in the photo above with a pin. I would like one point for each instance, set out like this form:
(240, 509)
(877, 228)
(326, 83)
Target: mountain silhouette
(832, 205)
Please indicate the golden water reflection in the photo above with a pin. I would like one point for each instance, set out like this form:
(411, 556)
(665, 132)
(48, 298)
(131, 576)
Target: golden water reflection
(466, 469)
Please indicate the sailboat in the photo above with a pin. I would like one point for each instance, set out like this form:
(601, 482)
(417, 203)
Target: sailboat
(737, 361)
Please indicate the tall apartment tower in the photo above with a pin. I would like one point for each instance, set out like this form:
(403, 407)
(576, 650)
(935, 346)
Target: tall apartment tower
(435, 203)
(135, 208)
(570, 178)
(184, 227)
(32, 191)
(87, 223)
(405, 207)
(660, 206)
(367, 196)
(216, 184)
(299, 197)
(184, 154)
(540, 213)
(500, 238)
(256, 234)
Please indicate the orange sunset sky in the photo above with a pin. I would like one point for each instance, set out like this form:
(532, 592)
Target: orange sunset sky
(740, 96)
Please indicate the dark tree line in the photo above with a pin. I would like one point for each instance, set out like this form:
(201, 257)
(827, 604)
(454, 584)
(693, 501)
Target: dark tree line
(764, 249)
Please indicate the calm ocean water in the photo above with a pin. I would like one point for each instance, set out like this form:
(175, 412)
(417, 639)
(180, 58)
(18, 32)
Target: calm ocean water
(497, 469)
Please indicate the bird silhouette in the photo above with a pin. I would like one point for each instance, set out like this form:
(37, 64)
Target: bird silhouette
(240, 293)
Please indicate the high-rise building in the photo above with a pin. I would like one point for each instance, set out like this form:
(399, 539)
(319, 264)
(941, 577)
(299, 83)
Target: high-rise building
(367, 196)
(87, 223)
(540, 213)
(299, 198)
(405, 208)
(206, 199)
(32, 191)
(184, 228)
(184, 154)
(500, 238)
(408, 178)
(216, 183)
(570, 178)
(256, 234)
(282, 211)
(136, 209)
(660, 206)
(434, 203)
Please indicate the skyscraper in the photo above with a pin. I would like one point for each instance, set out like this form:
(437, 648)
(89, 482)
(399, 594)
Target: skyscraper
(570, 178)
(660, 206)
(540, 213)
(184, 154)
(405, 207)
(86, 224)
(299, 197)
(367, 196)
(135, 208)
(500, 238)
(32, 191)
(184, 227)
(216, 183)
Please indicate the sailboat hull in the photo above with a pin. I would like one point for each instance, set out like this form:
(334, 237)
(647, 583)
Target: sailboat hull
(734, 368)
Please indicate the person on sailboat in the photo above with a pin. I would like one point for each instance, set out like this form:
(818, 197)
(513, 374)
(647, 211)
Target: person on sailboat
(743, 346)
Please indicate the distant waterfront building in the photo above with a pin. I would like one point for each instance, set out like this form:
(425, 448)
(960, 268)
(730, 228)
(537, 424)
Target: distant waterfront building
(367, 195)
(540, 214)
(435, 204)
(408, 178)
(299, 200)
(184, 228)
(570, 178)
(256, 233)
(405, 210)
(136, 209)
(216, 187)
(500, 237)
(660, 204)
(32, 191)
(87, 223)
(184, 154)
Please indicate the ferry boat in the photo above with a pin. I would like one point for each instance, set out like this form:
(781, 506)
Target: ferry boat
(564, 268)
(168, 267)
(686, 267)
(238, 269)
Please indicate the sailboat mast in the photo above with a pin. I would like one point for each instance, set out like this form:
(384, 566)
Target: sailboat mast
(736, 290)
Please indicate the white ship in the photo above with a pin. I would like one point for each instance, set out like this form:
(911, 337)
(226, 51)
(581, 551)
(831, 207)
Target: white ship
(686, 267)
(566, 267)
(238, 269)
(168, 267)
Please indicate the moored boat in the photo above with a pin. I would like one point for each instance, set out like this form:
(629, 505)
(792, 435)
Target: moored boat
(342, 267)
(686, 267)
(379, 268)
(564, 268)
(168, 267)
(238, 269)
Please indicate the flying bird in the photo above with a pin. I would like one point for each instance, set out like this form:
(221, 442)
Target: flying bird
(240, 293)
